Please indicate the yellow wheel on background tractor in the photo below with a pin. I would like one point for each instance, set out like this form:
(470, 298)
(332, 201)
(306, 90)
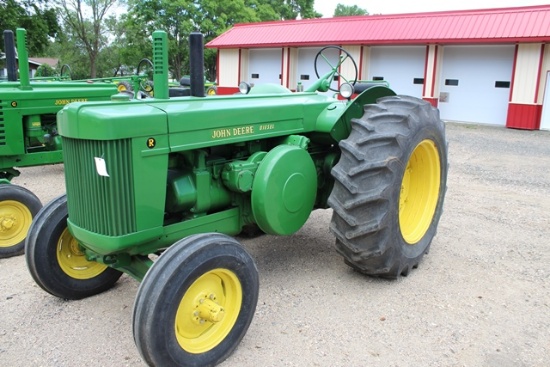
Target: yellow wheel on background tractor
(389, 186)
(212, 90)
(18, 206)
(56, 261)
(196, 302)
(124, 86)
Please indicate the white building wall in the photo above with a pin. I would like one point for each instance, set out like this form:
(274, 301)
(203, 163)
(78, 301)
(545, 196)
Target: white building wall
(265, 66)
(347, 70)
(527, 73)
(228, 62)
(306, 65)
(364, 63)
(401, 66)
(475, 83)
(245, 62)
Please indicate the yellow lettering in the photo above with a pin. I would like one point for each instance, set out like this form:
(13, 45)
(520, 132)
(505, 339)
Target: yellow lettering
(243, 130)
(221, 133)
(62, 102)
(267, 127)
(236, 131)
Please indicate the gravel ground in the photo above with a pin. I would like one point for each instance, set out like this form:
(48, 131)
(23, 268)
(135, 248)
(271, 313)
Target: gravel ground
(481, 297)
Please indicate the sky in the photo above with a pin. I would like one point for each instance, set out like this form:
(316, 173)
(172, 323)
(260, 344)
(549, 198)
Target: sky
(326, 7)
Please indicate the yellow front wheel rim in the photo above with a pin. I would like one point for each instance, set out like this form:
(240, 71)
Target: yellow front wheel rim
(419, 192)
(15, 221)
(208, 311)
(73, 261)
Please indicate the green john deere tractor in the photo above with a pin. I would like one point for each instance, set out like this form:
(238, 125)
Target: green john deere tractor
(29, 134)
(178, 177)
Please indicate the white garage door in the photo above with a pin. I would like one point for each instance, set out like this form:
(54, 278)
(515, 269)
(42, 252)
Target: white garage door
(545, 119)
(475, 83)
(401, 66)
(306, 70)
(265, 66)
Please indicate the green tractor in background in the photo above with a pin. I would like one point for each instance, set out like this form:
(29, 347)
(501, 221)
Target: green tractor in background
(178, 177)
(29, 134)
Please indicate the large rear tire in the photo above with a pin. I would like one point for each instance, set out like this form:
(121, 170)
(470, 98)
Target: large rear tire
(196, 302)
(18, 206)
(389, 186)
(56, 260)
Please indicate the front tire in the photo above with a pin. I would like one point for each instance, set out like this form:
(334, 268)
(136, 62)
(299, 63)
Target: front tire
(196, 302)
(18, 206)
(56, 261)
(389, 186)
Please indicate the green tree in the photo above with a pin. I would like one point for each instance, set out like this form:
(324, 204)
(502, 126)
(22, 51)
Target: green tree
(39, 18)
(45, 70)
(344, 10)
(211, 17)
(131, 43)
(89, 32)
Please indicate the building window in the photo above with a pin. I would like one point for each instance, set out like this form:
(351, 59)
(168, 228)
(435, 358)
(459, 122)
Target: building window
(304, 77)
(255, 76)
(280, 76)
(451, 82)
(377, 78)
(499, 84)
(335, 78)
(418, 81)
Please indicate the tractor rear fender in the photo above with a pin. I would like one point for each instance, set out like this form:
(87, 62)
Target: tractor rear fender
(335, 120)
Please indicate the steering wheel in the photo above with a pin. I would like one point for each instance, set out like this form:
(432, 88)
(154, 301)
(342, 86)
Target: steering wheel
(63, 70)
(344, 55)
(145, 85)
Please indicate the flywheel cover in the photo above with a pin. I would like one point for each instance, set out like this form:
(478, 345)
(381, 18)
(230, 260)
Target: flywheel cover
(284, 190)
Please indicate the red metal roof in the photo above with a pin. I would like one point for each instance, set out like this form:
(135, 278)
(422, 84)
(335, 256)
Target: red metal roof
(504, 25)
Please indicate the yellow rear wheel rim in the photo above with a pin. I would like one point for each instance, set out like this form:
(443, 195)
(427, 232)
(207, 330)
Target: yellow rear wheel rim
(208, 311)
(419, 192)
(73, 261)
(15, 221)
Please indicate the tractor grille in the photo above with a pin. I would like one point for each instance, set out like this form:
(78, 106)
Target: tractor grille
(103, 205)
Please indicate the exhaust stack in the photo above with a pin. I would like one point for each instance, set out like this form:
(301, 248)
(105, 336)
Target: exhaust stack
(11, 61)
(196, 64)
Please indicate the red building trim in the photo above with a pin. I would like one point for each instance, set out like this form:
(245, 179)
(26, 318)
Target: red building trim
(361, 62)
(282, 66)
(240, 67)
(426, 62)
(218, 66)
(433, 101)
(514, 65)
(434, 73)
(539, 74)
(523, 116)
(288, 68)
(227, 90)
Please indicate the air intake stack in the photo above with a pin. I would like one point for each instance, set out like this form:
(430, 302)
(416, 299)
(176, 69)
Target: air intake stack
(23, 57)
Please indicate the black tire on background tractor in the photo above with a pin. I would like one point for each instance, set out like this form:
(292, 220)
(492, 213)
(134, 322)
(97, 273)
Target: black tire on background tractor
(196, 302)
(18, 206)
(56, 261)
(389, 186)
